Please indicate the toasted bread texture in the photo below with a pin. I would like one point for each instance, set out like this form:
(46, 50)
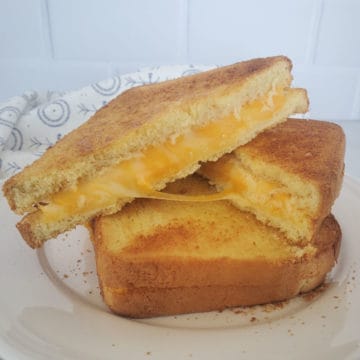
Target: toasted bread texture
(145, 117)
(288, 176)
(158, 258)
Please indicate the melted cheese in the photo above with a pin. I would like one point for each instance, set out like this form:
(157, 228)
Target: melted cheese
(253, 192)
(138, 176)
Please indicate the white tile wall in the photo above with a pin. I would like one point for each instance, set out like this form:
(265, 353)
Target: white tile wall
(18, 76)
(332, 91)
(21, 29)
(65, 44)
(231, 29)
(339, 37)
(116, 29)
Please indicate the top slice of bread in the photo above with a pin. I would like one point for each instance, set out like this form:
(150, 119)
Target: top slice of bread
(143, 116)
(311, 149)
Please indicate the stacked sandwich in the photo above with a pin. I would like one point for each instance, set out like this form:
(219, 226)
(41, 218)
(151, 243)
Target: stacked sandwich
(252, 226)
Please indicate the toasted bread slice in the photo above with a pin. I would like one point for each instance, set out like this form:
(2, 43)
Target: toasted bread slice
(298, 277)
(158, 257)
(288, 176)
(147, 137)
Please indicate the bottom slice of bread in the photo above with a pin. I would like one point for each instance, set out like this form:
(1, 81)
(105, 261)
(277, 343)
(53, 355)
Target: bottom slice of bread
(149, 302)
(228, 259)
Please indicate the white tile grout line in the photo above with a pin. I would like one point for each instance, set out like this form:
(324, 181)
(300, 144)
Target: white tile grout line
(47, 34)
(48, 38)
(355, 112)
(314, 32)
(187, 31)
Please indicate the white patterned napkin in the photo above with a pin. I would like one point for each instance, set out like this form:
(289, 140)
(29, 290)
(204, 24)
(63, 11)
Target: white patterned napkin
(30, 123)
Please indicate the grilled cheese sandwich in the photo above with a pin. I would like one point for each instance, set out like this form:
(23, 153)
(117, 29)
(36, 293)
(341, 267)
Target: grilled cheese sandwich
(146, 137)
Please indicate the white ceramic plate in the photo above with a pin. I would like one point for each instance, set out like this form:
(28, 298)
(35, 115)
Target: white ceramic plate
(50, 308)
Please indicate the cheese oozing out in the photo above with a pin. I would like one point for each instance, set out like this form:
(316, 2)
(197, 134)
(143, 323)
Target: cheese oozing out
(138, 176)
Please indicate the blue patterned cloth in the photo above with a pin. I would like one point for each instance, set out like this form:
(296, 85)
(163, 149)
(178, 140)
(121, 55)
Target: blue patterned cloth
(30, 123)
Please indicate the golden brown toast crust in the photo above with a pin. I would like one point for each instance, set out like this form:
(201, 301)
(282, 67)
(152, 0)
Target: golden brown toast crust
(91, 147)
(316, 154)
(288, 280)
(153, 302)
(32, 229)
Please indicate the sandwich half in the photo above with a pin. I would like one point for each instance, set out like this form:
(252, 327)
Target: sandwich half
(158, 257)
(149, 136)
(289, 176)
